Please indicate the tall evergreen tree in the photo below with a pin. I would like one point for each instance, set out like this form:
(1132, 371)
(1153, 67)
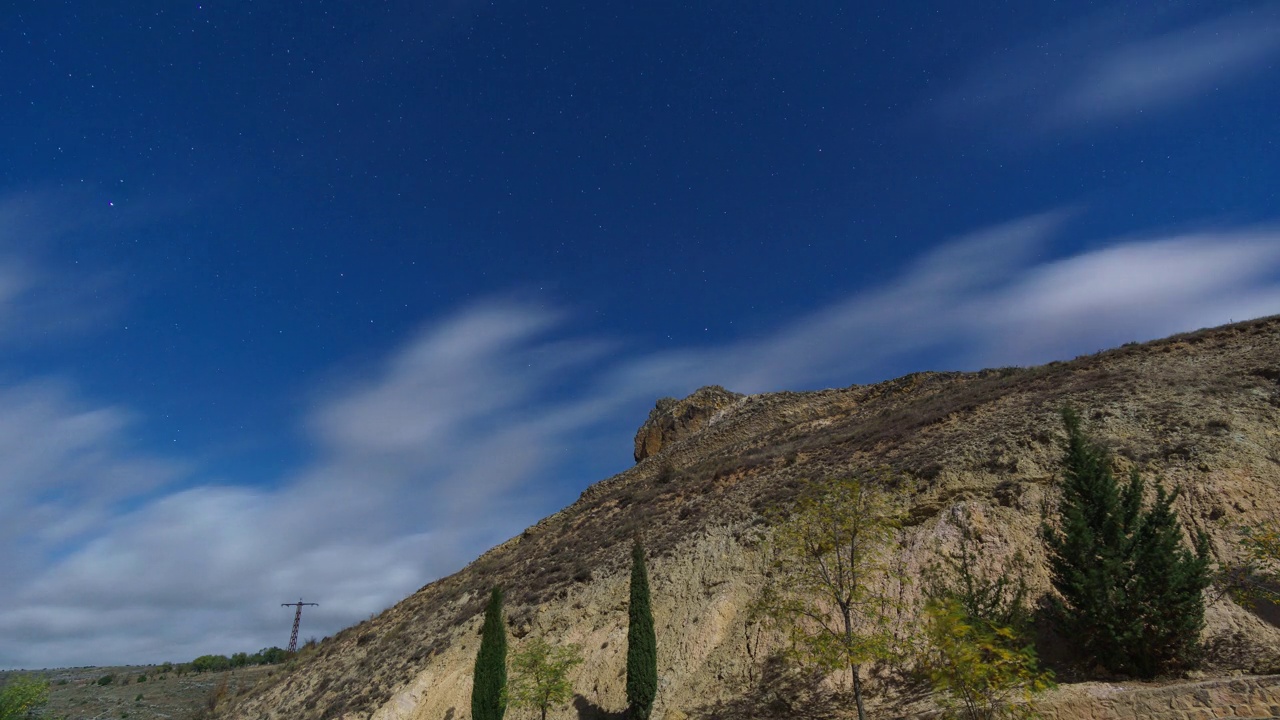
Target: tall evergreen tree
(1129, 593)
(642, 643)
(1168, 589)
(1088, 550)
(488, 691)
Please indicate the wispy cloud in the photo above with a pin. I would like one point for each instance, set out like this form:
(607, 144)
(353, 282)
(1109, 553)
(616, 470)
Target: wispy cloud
(38, 304)
(423, 459)
(1134, 289)
(1116, 66)
(426, 457)
(66, 464)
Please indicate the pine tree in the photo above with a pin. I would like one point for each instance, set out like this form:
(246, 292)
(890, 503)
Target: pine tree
(1129, 593)
(642, 644)
(1088, 551)
(488, 691)
(1167, 590)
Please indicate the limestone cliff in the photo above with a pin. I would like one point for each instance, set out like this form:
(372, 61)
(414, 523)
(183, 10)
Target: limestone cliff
(672, 420)
(1200, 410)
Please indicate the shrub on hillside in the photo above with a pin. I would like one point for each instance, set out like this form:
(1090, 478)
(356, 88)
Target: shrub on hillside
(978, 654)
(211, 663)
(22, 697)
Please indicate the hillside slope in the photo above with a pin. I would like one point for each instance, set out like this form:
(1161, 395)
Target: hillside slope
(1201, 410)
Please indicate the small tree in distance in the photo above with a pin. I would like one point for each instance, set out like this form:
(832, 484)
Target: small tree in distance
(540, 675)
(489, 686)
(642, 642)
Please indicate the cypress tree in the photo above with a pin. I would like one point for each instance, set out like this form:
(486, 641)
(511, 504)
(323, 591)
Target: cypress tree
(1129, 592)
(488, 691)
(642, 643)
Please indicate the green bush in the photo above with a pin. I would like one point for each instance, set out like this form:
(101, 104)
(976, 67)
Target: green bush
(269, 656)
(984, 670)
(978, 654)
(107, 679)
(211, 663)
(23, 697)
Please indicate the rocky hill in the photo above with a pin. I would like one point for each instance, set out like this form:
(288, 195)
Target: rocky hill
(1200, 410)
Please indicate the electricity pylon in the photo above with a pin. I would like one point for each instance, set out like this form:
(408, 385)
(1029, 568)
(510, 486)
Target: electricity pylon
(297, 619)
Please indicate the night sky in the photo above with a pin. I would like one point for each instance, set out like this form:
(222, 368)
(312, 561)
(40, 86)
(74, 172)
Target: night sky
(323, 299)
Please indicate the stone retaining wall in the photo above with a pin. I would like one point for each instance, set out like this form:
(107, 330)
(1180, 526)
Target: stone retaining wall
(1243, 697)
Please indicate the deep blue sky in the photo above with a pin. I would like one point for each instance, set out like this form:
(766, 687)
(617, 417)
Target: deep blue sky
(264, 265)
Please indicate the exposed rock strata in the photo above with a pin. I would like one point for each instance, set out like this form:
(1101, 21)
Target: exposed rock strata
(672, 420)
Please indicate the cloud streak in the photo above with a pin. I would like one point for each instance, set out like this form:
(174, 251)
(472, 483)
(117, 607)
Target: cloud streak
(36, 304)
(1116, 67)
(450, 443)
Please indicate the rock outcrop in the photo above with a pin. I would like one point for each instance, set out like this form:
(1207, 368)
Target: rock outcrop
(672, 420)
(1199, 411)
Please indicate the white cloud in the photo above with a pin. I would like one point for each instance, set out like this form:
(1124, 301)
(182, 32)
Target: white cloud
(428, 458)
(1116, 66)
(1167, 69)
(446, 446)
(1135, 290)
(65, 465)
(924, 307)
(998, 297)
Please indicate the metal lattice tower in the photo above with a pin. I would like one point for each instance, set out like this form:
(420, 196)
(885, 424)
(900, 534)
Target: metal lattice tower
(297, 619)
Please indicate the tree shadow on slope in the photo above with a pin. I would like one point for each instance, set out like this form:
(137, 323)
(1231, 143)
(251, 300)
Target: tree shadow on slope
(588, 710)
(783, 693)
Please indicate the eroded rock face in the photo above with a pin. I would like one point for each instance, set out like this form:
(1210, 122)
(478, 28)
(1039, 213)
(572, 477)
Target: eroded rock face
(672, 420)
